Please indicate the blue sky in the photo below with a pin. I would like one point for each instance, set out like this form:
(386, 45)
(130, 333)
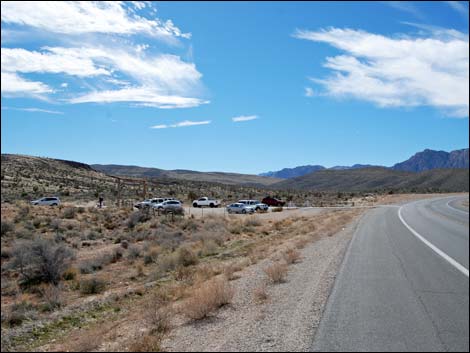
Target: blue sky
(234, 86)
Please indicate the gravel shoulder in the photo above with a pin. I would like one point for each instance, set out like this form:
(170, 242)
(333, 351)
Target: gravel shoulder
(286, 321)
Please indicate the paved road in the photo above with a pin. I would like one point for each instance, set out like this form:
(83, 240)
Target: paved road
(394, 292)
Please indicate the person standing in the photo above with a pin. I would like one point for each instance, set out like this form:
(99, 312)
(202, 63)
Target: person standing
(101, 202)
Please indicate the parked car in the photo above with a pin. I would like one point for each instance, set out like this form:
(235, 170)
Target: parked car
(240, 208)
(47, 201)
(259, 206)
(271, 201)
(169, 206)
(206, 202)
(151, 202)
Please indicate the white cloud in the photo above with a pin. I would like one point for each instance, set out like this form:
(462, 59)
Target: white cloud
(14, 85)
(244, 118)
(404, 71)
(64, 85)
(309, 92)
(144, 96)
(78, 17)
(34, 110)
(71, 63)
(163, 81)
(182, 124)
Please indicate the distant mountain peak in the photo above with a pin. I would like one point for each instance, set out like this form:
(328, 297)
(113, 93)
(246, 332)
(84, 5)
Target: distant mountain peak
(427, 159)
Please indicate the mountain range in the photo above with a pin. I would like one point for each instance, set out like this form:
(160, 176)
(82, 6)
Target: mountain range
(421, 161)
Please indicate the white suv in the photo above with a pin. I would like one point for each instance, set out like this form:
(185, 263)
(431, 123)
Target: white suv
(258, 206)
(47, 201)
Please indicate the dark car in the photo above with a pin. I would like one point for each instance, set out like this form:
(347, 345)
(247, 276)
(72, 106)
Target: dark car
(271, 201)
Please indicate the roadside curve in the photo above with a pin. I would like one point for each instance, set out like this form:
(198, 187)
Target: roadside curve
(396, 293)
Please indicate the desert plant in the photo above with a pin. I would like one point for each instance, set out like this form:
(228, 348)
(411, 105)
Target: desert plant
(41, 260)
(276, 272)
(6, 227)
(69, 212)
(291, 256)
(186, 256)
(138, 217)
(92, 285)
(209, 297)
(260, 294)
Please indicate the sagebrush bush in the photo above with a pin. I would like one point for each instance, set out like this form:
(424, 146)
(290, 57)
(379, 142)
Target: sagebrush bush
(69, 212)
(138, 217)
(208, 298)
(291, 256)
(40, 260)
(6, 227)
(92, 285)
(277, 272)
(186, 256)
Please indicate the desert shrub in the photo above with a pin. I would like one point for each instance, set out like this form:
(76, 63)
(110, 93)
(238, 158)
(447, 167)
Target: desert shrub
(157, 313)
(148, 342)
(186, 256)
(260, 294)
(55, 224)
(36, 222)
(151, 255)
(252, 222)
(41, 260)
(98, 262)
(92, 285)
(5, 253)
(165, 263)
(291, 256)
(277, 209)
(209, 247)
(81, 210)
(22, 214)
(167, 238)
(6, 227)
(69, 274)
(209, 297)
(133, 252)
(19, 312)
(138, 217)
(52, 297)
(276, 272)
(124, 244)
(69, 212)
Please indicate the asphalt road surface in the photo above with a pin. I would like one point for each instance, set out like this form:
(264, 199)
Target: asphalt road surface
(403, 284)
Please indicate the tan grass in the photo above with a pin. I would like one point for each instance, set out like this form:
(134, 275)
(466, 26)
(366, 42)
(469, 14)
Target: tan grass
(277, 272)
(208, 298)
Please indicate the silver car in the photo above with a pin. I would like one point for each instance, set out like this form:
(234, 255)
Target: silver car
(239, 207)
(47, 201)
(169, 206)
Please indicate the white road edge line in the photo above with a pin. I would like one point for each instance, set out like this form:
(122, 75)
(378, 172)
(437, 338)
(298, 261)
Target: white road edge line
(456, 209)
(433, 247)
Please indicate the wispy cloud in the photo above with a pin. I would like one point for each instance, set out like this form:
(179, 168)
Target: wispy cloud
(111, 70)
(34, 110)
(309, 92)
(244, 118)
(405, 6)
(459, 6)
(397, 72)
(78, 17)
(185, 123)
(14, 85)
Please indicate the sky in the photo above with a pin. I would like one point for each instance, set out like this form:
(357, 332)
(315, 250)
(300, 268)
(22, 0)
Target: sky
(243, 87)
